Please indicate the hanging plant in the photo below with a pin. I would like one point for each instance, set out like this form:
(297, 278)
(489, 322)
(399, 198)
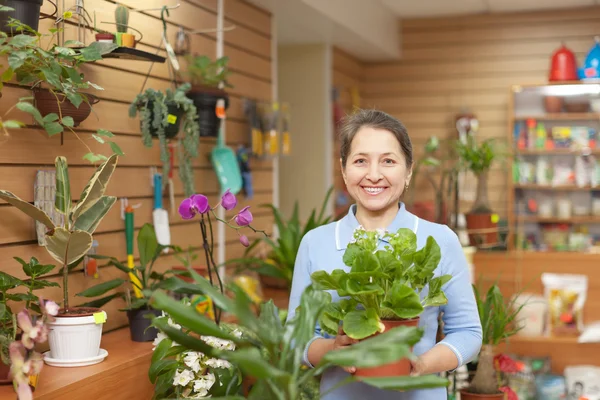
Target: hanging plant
(161, 116)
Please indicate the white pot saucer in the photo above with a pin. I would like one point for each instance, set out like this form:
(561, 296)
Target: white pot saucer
(102, 354)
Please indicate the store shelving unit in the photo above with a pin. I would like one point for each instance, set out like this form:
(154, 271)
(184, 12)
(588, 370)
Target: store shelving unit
(554, 190)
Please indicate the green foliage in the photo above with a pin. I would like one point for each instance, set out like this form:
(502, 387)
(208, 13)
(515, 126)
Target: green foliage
(204, 71)
(497, 315)
(122, 18)
(56, 68)
(152, 106)
(282, 252)
(270, 350)
(387, 283)
(477, 158)
(68, 244)
(8, 323)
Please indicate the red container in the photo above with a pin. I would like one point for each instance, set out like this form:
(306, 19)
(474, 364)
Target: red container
(563, 66)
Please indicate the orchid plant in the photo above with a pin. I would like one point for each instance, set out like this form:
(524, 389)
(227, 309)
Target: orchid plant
(198, 204)
(25, 361)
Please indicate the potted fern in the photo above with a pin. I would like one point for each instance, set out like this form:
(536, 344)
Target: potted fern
(498, 319)
(68, 243)
(205, 76)
(386, 284)
(161, 116)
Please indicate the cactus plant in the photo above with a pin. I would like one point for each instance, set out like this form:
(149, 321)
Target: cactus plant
(122, 18)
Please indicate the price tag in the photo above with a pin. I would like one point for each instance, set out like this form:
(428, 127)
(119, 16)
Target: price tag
(495, 218)
(171, 119)
(99, 317)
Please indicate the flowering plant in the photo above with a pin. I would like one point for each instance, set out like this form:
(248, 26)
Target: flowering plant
(198, 204)
(386, 282)
(178, 371)
(25, 361)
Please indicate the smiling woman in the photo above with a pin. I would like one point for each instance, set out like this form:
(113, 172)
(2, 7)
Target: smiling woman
(376, 159)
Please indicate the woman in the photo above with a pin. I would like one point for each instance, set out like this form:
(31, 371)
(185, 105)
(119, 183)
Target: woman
(376, 161)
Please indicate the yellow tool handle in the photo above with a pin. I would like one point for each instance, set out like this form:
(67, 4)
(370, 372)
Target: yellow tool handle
(134, 279)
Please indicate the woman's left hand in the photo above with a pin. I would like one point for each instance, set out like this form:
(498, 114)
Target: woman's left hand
(416, 367)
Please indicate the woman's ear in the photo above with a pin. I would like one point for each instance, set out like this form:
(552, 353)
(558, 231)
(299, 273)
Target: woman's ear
(343, 171)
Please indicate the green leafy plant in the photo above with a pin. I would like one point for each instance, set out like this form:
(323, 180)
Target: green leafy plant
(71, 241)
(8, 283)
(478, 158)
(153, 107)
(56, 69)
(203, 71)
(271, 351)
(145, 278)
(386, 283)
(498, 318)
(282, 252)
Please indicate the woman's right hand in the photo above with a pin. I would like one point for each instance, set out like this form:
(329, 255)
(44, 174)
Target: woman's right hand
(342, 340)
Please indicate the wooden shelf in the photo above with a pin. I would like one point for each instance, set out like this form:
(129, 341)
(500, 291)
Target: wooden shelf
(561, 117)
(555, 152)
(570, 188)
(587, 219)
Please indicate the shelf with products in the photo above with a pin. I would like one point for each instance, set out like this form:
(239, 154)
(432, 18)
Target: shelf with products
(554, 201)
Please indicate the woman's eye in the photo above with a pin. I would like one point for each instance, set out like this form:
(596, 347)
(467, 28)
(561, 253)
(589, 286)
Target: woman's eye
(359, 161)
(388, 161)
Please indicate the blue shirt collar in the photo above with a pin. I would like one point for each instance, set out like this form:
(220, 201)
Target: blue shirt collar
(344, 228)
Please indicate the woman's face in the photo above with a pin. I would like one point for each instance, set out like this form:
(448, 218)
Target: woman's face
(376, 171)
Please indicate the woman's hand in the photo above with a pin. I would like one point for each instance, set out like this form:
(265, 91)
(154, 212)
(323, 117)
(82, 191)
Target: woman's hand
(341, 341)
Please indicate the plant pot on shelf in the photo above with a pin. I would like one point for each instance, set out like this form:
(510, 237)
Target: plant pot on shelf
(26, 11)
(140, 328)
(401, 367)
(105, 37)
(272, 282)
(175, 113)
(483, 231)
(128, 40)
(75, 337)
(47, 103)
(205, 99)
(466, 395)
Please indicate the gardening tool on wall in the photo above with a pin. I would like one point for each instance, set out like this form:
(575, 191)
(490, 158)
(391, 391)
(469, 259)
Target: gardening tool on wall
(243, 155)
(160, 216)
(251, 112)
(129, 226)
(224, 160)
(170, 184)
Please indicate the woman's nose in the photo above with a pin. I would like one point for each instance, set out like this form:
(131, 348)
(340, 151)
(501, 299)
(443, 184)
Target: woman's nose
(374, 174)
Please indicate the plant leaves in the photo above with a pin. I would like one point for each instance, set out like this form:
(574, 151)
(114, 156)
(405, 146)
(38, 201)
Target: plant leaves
(62, 199)
(27, 208)
(53, 128)
(98, 303)
(147, 244)
(50, 117)
(104, 133)
(96, 187)
(91, 218)
(403, 301)
(360, 324)
(116, 149)
(68, 121)
(98, 139)
(30, 109)
(101, 288)
(12, 124)
(67, 247)
(251, 362)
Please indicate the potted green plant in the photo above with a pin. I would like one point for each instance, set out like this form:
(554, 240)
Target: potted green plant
(498, 320)
(276, 269)
(478, 158)
(68, 244)
(53, 74)
(27, 11)
(145, 278)
(161, 115)
(387, 284)
(205, 76)
(9, 331)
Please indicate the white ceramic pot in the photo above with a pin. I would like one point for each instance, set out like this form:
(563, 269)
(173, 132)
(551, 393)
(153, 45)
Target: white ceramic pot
(76, 337)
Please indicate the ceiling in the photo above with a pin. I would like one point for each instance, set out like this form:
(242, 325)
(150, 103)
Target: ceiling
(436, 8)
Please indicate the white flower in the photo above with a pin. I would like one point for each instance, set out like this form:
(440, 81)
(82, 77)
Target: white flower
(204, 383)
(183, 378)
(217, 363)
(51, 307)
(192, 360)
(159, 338)
(202, 394)
(173, 324)
(219, 343)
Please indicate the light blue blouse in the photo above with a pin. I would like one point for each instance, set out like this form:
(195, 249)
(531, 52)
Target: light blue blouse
(323, 249)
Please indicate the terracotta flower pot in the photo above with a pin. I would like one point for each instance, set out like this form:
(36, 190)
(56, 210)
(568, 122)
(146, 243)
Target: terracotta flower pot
(466, 395)
(398, 368)
(105, 37)
(47, 103)
(482, 222)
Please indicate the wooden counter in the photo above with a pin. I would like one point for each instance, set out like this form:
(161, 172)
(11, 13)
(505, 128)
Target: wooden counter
(123, 375)
(521, 271)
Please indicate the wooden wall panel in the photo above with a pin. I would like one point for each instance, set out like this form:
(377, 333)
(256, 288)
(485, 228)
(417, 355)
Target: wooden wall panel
(347, 76)
(26, 151)
(453, 64)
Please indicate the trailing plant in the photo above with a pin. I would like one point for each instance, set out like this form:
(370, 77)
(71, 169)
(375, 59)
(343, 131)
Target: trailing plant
(387, 283)
(269, 350)
(282, 252)
(70, 242)
(153, 107)
(56, 68)
(8, 283)
(203, 71)
(498, 318)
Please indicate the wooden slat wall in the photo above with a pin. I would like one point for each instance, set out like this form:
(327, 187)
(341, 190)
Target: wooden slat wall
(451, 64)
(28, 150)
(347, 74)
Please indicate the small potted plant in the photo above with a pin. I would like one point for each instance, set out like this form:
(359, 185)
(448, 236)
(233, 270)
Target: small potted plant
(58, 86)
(205, 76)
(161, 116)
(498, 318)
(387, 284)
(478, 158)
(68, 244)
(27, 11)
(143, 278)
(9, 331)
(122, 21)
